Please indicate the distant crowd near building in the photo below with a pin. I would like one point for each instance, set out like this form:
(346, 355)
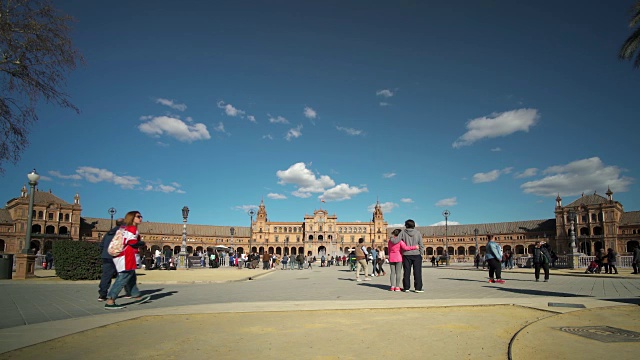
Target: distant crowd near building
(599, 222)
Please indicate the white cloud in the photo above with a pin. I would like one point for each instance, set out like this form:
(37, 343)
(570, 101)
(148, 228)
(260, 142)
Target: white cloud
(527, 173)
(171, 104)
(342, 192)
(246, 208)
(496, 149)
(307, 183)
(252, 119)
(386, 207)
(350, 131)
(219, 128)
(268, 136)
(385, 93)
(406, 200)
(384, 103)
(396, 225)
(230, 110)
(95, 175)
(388, 175)
(176, 128)
(309, 113)
(447, 202)
(304, 179)
(275, 196)
(442, 223)
(497, 124)
(57, 174)
(294, 133)
(580, 176)
(277, 120)
(301, 194)
(490, 176)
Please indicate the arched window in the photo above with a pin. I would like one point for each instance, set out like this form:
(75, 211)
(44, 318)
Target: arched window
(40, 215)
(66, 217)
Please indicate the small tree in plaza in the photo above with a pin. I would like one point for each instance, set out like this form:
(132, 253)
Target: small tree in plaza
(77, 260)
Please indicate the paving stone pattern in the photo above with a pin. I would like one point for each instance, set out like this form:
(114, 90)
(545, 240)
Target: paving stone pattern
(23, 303)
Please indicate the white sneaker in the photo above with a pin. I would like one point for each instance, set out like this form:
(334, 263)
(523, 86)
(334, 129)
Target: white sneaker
(367, 279)
(358, 280)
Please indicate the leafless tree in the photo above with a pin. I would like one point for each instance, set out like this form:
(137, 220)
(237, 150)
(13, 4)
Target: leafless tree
(36, 55)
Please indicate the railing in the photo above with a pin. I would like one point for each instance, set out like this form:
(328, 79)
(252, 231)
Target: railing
(583, 261)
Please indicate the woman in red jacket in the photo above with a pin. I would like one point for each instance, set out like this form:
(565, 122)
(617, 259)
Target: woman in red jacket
(126, 263)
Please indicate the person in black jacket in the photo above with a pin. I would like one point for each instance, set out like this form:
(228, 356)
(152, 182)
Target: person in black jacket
(108, 268)
(541, 258)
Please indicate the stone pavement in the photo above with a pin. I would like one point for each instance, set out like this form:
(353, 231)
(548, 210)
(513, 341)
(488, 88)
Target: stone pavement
(459, 316)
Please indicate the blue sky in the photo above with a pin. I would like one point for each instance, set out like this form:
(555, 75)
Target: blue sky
(488, 109)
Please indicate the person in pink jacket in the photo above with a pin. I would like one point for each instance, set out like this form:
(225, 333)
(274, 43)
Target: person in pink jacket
(395, 259)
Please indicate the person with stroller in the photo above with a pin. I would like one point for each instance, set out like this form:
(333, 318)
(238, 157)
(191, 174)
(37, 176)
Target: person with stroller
(592, 268)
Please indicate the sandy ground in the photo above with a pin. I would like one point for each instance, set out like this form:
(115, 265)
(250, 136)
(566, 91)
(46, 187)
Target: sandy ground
(451, 332)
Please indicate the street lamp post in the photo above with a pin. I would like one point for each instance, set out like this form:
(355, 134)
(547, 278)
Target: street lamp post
(475, 234)
(112, 211)
(574, 256)
(26, 260)
(183, 249)
(446, 214)
(251, 213)
(33, 181)
(232, 230)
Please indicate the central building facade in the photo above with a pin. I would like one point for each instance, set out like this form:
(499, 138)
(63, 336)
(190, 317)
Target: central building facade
(319, 234)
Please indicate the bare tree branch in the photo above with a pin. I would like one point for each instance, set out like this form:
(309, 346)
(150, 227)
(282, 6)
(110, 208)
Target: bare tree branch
(36, 54)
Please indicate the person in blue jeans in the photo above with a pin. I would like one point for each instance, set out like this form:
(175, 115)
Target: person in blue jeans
(108, 268)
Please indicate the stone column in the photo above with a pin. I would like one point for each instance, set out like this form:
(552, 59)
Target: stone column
(25, 266)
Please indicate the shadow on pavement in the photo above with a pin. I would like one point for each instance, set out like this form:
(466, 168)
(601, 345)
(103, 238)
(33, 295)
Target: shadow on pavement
(162, 295)
(378, 286)
(466, 280)
(635, 301)
(536, 292)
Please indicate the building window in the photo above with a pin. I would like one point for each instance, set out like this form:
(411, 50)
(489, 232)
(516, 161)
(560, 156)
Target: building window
(50, 216)
(277, 238)
(66, 217)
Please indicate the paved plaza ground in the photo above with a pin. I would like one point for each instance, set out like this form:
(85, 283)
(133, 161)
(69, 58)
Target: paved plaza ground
(324, 314)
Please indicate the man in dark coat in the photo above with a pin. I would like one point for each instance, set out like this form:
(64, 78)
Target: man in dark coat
(541, 259)
(108, 268)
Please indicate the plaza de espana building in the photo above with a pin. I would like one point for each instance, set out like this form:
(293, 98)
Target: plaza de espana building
(599, 222)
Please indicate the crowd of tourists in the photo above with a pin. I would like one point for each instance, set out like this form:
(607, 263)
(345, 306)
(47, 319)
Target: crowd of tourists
(121, 246)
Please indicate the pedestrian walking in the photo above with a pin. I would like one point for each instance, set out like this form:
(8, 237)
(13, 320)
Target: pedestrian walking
(493, 257)
(361, 260)
(612, 258)
(636, 260)
(108, 267)
(126, 263)
(381, 260)
(541, 259)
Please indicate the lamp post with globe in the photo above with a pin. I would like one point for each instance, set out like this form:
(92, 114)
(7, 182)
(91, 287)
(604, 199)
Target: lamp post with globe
(183, 249)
